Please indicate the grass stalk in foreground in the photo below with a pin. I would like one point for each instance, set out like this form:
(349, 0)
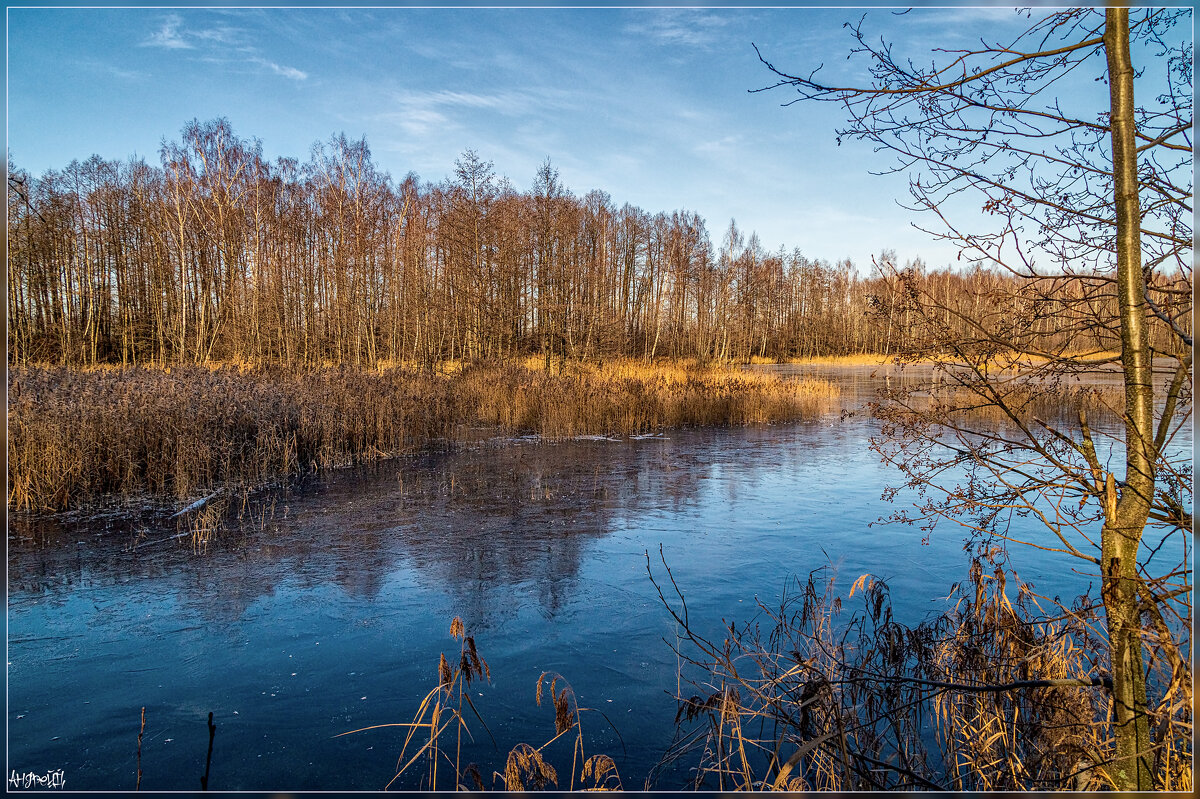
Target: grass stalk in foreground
(526, 767)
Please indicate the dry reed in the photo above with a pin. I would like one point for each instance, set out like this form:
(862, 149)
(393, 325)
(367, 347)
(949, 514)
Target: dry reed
(526, 767)
(857, 359)
(1028, 402)
(630, 397)
(995, 695)
(77, 436)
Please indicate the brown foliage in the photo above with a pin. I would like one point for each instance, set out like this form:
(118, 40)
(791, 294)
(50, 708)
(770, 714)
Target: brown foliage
(994, 695)
(220, 255)
(525, 769)
(525, 766)
(602, 771)
(76, 436)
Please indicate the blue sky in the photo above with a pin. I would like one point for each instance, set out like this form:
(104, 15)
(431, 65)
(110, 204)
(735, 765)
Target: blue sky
(650, 105)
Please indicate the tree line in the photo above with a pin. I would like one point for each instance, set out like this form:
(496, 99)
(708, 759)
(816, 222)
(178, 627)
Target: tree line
(218, 254)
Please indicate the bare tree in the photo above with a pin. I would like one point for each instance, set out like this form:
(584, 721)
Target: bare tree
(1103, 195)
(218, 255)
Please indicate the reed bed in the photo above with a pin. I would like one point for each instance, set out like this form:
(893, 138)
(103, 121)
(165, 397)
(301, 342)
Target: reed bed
(857, 359)
(77, 437)
(1029, 402)
(629, 397)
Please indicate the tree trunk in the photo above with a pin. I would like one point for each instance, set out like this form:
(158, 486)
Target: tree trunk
(1125, 518)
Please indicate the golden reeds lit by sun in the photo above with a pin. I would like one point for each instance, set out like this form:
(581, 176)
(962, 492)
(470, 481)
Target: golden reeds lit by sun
(78, 436)
(440, 715)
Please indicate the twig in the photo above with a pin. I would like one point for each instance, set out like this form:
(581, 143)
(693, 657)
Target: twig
(212, 731)
(1104, 681)
(198, 504)
(141, 731)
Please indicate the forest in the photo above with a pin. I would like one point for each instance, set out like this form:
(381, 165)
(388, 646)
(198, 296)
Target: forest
(218, 255)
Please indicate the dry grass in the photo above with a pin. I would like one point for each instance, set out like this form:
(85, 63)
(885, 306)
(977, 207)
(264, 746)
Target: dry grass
(1028, 401)
(859, 359)
(425, 755)
(1013, 361)
(78, 436)
(995, 695)
(442, 710)
(630, 397)
(1026, 360)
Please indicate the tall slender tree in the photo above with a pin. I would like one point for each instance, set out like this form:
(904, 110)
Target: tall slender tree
(1104, 196)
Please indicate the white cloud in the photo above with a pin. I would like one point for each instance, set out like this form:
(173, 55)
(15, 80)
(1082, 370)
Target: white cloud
(221, 44)
(168, 36)
(950, 17)
(222, 34)
(108, 69)
(425, 113)
(722, 145)
(504, 102)
(283, 71)
(686, 27)
(418, 122)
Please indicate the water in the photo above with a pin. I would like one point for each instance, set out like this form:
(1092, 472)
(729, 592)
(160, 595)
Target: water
(331, 614)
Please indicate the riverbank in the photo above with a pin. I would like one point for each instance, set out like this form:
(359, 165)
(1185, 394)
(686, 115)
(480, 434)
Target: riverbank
(1010, 360)
(860, 359)
(80, 436)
